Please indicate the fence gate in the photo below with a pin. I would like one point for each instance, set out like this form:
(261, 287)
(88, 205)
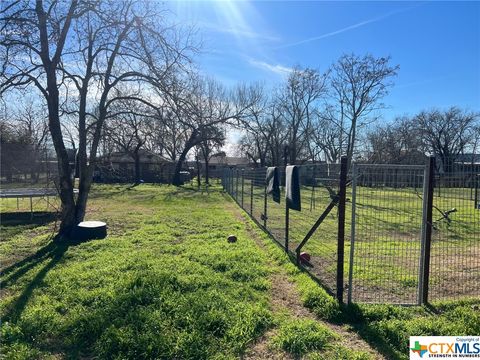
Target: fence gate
(386, 233)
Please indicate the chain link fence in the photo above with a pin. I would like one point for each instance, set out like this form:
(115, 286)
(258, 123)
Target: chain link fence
(401, 245)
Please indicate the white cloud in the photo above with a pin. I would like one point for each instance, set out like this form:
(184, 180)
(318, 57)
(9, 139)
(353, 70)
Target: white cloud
(238, 32)
(348, 28)
(275, 68)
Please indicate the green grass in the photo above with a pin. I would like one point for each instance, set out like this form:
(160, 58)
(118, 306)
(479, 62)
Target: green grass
(166, 284)
(300, 336)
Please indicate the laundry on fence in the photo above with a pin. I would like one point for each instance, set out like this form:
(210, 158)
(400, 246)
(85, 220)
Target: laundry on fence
(273, 183)
(292, 188)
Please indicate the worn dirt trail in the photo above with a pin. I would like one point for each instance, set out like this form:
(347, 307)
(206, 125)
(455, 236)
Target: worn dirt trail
(285, 296)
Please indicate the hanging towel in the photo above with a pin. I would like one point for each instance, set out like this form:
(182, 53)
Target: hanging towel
(273, 183)
(292, 188)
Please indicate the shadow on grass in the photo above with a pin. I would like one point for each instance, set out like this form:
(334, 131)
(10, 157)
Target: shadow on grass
(39, 218)
(15, 223)
(50, 255)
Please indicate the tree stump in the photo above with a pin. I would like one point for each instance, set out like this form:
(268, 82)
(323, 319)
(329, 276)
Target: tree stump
(88, 230)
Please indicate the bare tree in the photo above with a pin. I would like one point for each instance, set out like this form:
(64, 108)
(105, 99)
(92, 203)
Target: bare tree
(210, 147)
(395, 143)
(326, 137)
(130, 129)
(256, 141)
(201, 106)
(33, 42)
(30, 123)
(447, 134)
(359, 84)
(84, 50)
(297, 102)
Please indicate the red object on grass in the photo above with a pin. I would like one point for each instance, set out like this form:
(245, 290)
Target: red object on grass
(305, 257)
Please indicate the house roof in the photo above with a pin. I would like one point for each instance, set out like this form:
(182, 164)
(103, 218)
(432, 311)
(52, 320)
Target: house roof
(146, 157)
(468, 158)
(228, 160)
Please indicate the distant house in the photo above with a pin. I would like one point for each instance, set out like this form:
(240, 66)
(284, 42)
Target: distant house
(467, 163)
(221, 161)
(462, 163)
(218, 163)
(120, 166)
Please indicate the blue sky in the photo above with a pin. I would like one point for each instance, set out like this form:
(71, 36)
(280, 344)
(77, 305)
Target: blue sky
(436, 44)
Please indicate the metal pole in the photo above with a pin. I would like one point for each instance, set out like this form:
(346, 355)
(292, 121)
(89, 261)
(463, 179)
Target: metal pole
(265, 206)
(236, 186)
(243, 184)
(476, 200)
(251, 197)
(31, 208)
(426, 231)
(287, 223)
(341, 228)
(352, 237)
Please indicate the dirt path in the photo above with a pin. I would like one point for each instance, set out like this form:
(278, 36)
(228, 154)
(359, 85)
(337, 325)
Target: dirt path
(285, 296)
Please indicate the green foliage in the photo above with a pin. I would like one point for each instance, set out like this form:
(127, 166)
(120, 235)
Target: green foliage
(300, 336)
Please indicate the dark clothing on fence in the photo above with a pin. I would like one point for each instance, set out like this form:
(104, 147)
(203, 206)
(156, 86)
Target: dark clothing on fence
(273, 183)
(292, 188)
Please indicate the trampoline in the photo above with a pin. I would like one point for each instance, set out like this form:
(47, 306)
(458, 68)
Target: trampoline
(30, 193)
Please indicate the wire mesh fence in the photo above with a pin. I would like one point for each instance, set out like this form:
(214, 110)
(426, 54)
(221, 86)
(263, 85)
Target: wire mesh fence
(318, 186)
(387, 211)
(389, 255)
(455, 253)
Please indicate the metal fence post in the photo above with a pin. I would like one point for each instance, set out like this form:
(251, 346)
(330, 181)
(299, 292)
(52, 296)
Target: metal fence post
(352, 238)
(476, 199)
(428, 188)
(251, 196)
(287, 224)
(243, 184)
(265, 206)
(236, 185)
(341, 227)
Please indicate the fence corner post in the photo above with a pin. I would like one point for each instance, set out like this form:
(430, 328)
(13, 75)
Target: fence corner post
(427, 225)
(341, 227)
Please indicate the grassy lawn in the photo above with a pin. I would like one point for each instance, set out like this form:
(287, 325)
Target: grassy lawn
(166, 284)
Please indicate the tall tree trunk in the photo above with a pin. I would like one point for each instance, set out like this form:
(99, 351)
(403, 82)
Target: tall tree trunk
(199, 183)
(84, 185)
(64, 175)
(206, 171)
(177, 179)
